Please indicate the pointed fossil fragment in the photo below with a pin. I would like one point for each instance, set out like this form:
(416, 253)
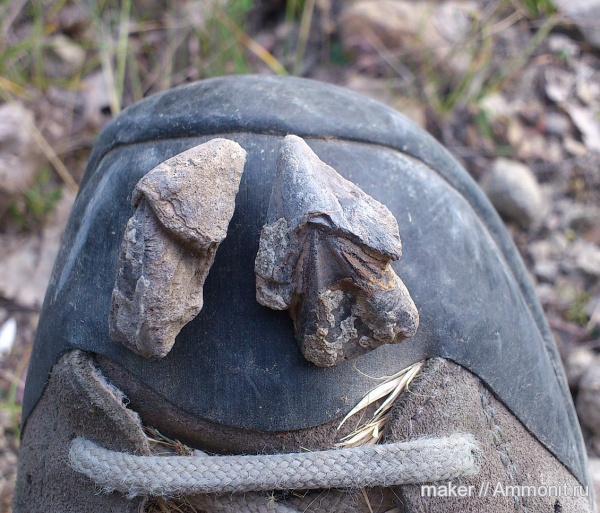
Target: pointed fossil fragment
(183, 209)
(325, 255)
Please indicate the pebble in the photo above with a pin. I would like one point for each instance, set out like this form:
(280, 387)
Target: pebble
(586, 15)
(63, 57)
(592, 310)
(556, 123)
(20, 156)
(419, 30)
(588, 257)
(588, 399)
(27, 266)
(577, 362)
(563, 45)
(514, 191)
(95, 93)
(546, 270)
(545, 293)
(594, 466)
(581, 217)
(574, 147)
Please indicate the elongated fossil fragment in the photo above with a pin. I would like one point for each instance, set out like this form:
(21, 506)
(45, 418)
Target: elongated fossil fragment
(183, 209)
(325, 255)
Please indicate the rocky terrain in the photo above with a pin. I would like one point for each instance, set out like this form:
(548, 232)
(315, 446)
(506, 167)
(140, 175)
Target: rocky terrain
(511, 88)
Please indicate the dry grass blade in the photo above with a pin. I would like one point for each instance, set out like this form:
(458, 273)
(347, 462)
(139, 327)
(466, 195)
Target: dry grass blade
(366, 428)
(374, 395)
(11, 87)
(305, 23)
(51, 155)
(122, 43)
(161, 505)
(393, 384)
(155, 438)
(45, 146)
(371, 431)
(405, 380)
(367, 435)
(367, 501)
(257, 49)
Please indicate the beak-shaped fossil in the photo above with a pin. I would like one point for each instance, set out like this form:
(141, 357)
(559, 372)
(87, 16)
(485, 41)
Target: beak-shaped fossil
(183, 209)
(325, 255)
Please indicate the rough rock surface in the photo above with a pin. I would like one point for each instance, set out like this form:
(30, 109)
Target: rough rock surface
(325, 255)
(183, 209)
(514, 191)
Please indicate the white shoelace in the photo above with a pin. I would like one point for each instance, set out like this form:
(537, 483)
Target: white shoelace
(417, 461)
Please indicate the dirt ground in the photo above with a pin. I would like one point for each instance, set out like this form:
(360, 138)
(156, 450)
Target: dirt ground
(511, 88)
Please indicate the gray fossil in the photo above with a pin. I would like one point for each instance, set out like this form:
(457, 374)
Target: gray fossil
(182, 212)
(325, 255)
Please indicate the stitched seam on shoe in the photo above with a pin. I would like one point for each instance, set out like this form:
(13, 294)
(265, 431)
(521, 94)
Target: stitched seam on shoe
(502, 447)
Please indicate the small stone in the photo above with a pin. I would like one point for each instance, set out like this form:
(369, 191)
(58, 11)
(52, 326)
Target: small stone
(594, 466)
(532, 111)
(588, 88)
(563, 45)
(560, 243)
(586, 15)
(586, 121)
(592, 310)
(577, 362)
(515, 132)
(574, 147)
(559, 84)
(556, 123)
(27, 265)
(588, 399)
(584, 92)
(588, 258)
(545, 293)
(513, 190)
(8, 335)
(535, 146)
(546, 270)
(418, 29)
(95, 97)
(20, 156)
(581, 217)
(496, 107)
(63, 58)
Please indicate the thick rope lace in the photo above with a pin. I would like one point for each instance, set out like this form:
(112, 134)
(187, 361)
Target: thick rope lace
(416, 461)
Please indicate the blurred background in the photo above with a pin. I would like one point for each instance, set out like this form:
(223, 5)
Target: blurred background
(510, 87)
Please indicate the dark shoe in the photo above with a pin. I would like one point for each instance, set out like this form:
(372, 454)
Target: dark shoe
(483, 403)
